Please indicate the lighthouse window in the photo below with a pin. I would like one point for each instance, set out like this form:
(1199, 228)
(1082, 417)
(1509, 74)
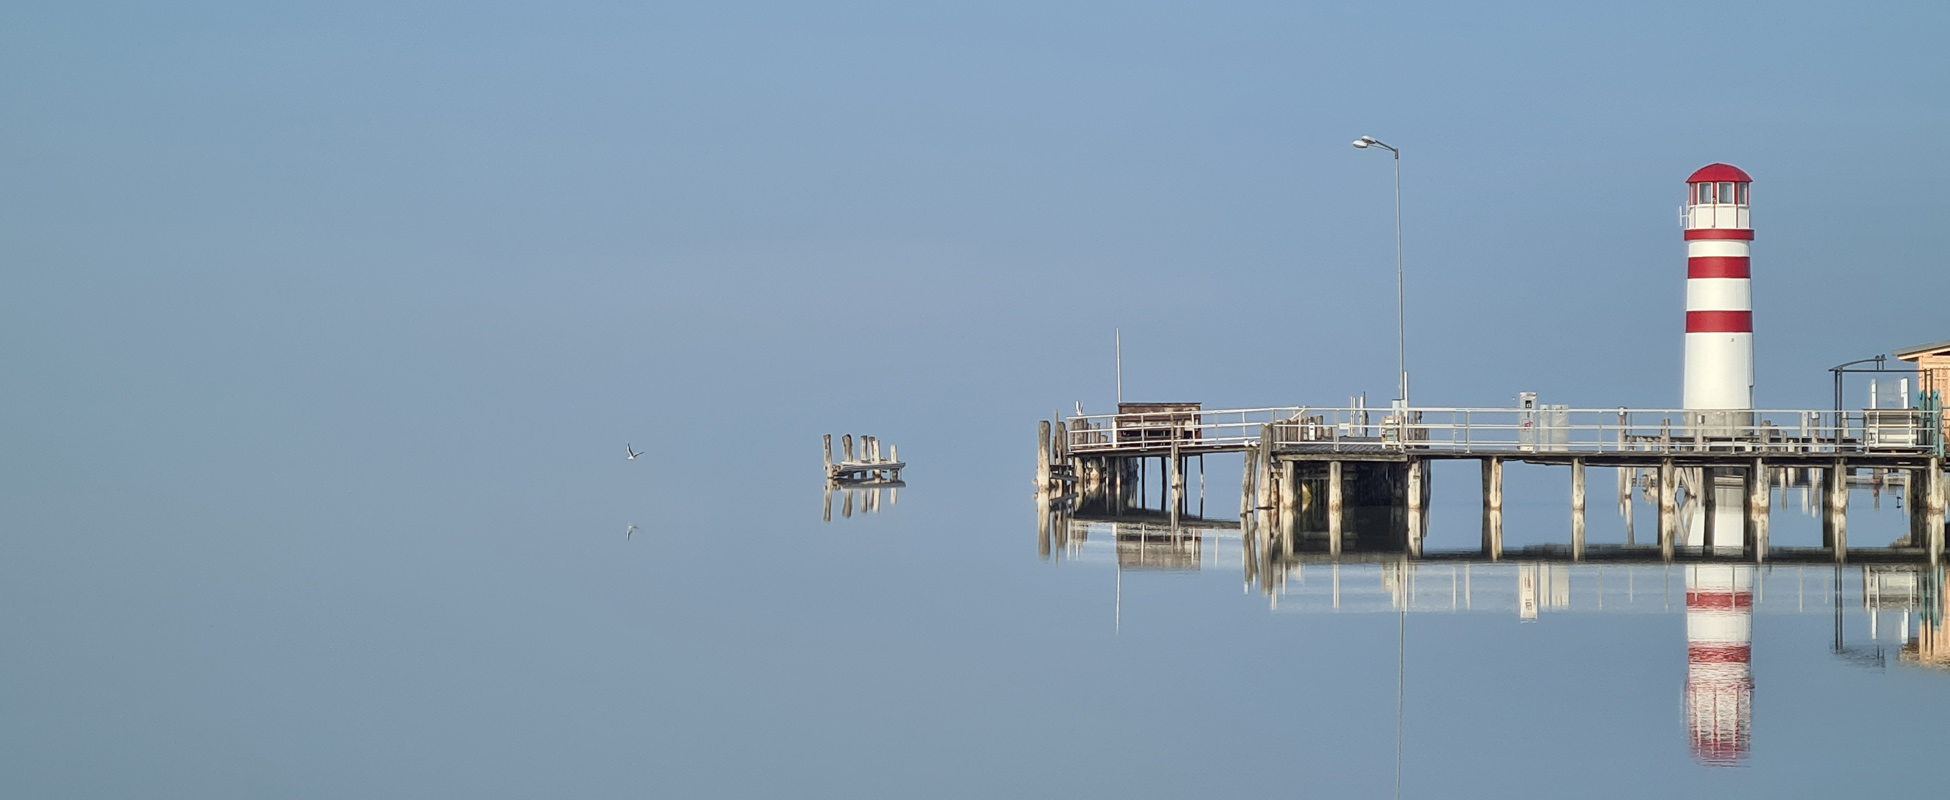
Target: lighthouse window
(1705, 194)
(1726, 193)
(1743, 194)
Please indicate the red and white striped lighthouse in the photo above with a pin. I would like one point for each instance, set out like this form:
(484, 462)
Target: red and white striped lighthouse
(1719, 297)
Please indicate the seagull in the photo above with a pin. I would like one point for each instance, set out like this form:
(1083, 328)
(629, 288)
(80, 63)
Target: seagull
(1079, 408)
(631, 532)
(632, 451)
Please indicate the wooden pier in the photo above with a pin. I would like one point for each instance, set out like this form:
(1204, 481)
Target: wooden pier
(1360, 475)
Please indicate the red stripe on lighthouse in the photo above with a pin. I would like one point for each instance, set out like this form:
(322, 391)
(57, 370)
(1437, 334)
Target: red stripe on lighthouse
(1717, 267)
(1706, 601)
(1719, 654)
(1719, 322)
(1695, 234)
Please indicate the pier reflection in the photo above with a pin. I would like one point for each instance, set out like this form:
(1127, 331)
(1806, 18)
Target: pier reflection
(1708, 586)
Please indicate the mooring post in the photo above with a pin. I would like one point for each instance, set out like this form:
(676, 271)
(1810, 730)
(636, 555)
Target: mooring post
(1289, 504)
(1709, 506)
(1414, 543)
(1668, 507)
(1759, 481)
(846, 446)
(1172, 482)
(1936, 498)
(1837, 516)
(1334, 508)
(1246, 471)
(1265, 476)
(1577, 509)
(1042, 525)
(828, 439)
(1042, 456)
(1493, 508)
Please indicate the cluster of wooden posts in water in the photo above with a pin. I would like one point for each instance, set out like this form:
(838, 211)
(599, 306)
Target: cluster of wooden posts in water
(1311, 488)
(863, 476)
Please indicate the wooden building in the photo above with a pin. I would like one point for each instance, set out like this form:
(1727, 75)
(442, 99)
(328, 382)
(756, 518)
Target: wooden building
(1932, 373)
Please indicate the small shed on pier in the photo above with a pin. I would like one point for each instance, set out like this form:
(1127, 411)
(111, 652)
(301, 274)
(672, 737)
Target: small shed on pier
(1932, 373)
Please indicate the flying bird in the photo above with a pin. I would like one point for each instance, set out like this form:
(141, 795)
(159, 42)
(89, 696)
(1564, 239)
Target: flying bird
(629, 533)
(632, 451)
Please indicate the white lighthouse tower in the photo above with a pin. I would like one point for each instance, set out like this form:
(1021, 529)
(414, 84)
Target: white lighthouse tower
(1719, 299)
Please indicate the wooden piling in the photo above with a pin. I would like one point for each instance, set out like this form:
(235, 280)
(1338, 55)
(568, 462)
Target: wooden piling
(1493, 508)
(1759, 482)
(1265, 465)
(1173, 484)
(1936, 497)
(1577, 509)
(828, 438)
(1334, 508)
(1415, 512)
(846, 446)
(1042, 456)
(1709, 507)
(1668, 508)
(1246, 472)
(1289, 504)
(1836, 516)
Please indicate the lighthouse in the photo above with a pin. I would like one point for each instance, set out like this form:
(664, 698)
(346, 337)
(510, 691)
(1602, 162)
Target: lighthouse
(1719, 297)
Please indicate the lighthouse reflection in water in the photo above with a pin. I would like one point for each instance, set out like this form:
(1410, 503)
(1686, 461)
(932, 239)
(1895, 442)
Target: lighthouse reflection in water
(1898, 606)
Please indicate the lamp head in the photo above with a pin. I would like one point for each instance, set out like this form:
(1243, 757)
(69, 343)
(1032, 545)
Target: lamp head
(1361, 143)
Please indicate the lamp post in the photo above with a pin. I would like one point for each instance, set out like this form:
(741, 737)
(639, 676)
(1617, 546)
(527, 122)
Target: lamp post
(1401, 346)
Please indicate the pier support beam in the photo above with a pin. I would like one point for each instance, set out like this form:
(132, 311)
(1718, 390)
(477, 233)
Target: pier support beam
(1935, 499)
(1493, 508)
(1334, 508)
(1834, 517)
(1415, 512)
(1265, 476)
(1668, 507)
(1289, 504)
(1174, 483)
(1577, 509)
(1246, 472)
(1709, 508)
(1042, 455)
(1759, 482)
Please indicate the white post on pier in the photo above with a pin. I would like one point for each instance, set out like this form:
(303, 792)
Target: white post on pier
(1577, 509)
(1334, 510)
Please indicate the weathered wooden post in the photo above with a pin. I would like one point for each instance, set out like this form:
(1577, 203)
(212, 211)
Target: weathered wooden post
(1265, 476)
(1246, 472)
(1837, 517)
(1289, 504)
(1042, 525)
(1710, 506)
(1042, 456)
(1414, 543)
(1668, 507)
(1172, 484)
(1577, 509)
(828, 438)
(1758, 503)
(846, 446)
(1493, 508)
(1936, 497)
(1334, 508)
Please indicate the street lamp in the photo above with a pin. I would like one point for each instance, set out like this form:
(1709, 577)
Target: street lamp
(1401, 346)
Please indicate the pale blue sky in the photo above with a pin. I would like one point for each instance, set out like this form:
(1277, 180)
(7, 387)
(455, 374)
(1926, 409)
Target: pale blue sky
(325, 326)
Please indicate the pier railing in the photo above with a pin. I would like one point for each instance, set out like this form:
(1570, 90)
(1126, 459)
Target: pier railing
(1494, 431)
